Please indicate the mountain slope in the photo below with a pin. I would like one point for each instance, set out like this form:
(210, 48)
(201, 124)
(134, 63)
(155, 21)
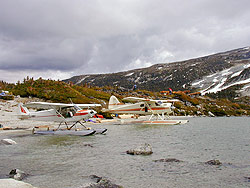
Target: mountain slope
(209, 73)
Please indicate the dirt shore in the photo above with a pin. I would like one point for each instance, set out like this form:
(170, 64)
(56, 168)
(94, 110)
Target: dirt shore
(9, 117)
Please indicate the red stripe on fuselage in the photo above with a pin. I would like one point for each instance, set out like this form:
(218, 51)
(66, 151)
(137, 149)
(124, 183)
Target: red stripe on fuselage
(81, 113)
(35, 116)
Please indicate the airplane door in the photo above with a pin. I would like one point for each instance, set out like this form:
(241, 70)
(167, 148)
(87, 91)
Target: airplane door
(146, 109)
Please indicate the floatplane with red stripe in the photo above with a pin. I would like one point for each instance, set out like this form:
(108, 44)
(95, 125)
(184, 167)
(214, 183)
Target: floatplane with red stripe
(158, 109)
(68, 114)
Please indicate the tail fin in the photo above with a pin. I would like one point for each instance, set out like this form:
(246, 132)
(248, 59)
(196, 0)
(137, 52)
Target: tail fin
(23, 111)
(112, 102)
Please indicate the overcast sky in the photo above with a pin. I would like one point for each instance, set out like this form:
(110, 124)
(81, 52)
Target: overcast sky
(61, 38)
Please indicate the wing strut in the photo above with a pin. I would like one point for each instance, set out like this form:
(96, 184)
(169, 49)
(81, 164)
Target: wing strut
(61, 116)
(162, 117)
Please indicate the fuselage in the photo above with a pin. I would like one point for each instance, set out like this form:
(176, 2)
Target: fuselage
(141, 108)
(53, 115)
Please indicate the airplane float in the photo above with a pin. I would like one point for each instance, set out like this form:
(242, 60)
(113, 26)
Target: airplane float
(142, 106)
(61, 113)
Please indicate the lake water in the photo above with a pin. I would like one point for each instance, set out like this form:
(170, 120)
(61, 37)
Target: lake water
(67, 161)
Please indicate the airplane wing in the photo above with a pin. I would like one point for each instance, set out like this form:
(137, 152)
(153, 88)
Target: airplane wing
(137, 99)
(168, 100)
(47, 105)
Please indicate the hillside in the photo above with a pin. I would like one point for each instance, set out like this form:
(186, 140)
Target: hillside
(58, 91)
(55, 91)
(209, 74)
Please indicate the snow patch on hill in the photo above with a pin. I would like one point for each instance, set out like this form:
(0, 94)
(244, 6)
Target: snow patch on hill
(129, 74)
(82, 79)
(223, 80)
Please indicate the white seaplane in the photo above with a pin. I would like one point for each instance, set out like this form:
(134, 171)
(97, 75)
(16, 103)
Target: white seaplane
(63, 114)
(142, 106)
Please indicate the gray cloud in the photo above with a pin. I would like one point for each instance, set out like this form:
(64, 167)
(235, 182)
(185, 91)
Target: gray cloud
(61, 38)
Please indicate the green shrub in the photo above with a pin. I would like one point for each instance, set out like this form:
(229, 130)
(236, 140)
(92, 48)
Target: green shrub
(218, 112)
(177, 104)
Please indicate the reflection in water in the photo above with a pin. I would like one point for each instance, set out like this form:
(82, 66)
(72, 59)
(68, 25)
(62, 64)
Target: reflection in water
(58, 140)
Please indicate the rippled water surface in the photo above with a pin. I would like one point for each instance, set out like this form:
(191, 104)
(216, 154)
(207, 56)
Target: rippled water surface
(67, 161)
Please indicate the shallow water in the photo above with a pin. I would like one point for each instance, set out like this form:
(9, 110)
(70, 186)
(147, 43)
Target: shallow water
(67, 161)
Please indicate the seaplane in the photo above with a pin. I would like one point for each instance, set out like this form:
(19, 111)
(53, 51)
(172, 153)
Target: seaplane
(68, 114)
(158, 110)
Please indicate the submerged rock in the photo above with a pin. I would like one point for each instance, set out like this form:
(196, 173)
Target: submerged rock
(7, 141)
(88, 145)
(168, 160)
(145, 149)
(213, 162)
(17, 174)
(101, 183)
(104, 184)
(95, 178)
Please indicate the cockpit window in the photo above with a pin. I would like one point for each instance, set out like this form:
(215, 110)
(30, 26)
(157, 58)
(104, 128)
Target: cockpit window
(142, 105)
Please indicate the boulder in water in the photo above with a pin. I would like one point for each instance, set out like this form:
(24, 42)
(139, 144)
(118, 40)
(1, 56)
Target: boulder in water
(95, 178)
(88, 145)
(144, 149)
(17, 174)
(213, 162)
(168, 160)
(7, 141)
(103, 183)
